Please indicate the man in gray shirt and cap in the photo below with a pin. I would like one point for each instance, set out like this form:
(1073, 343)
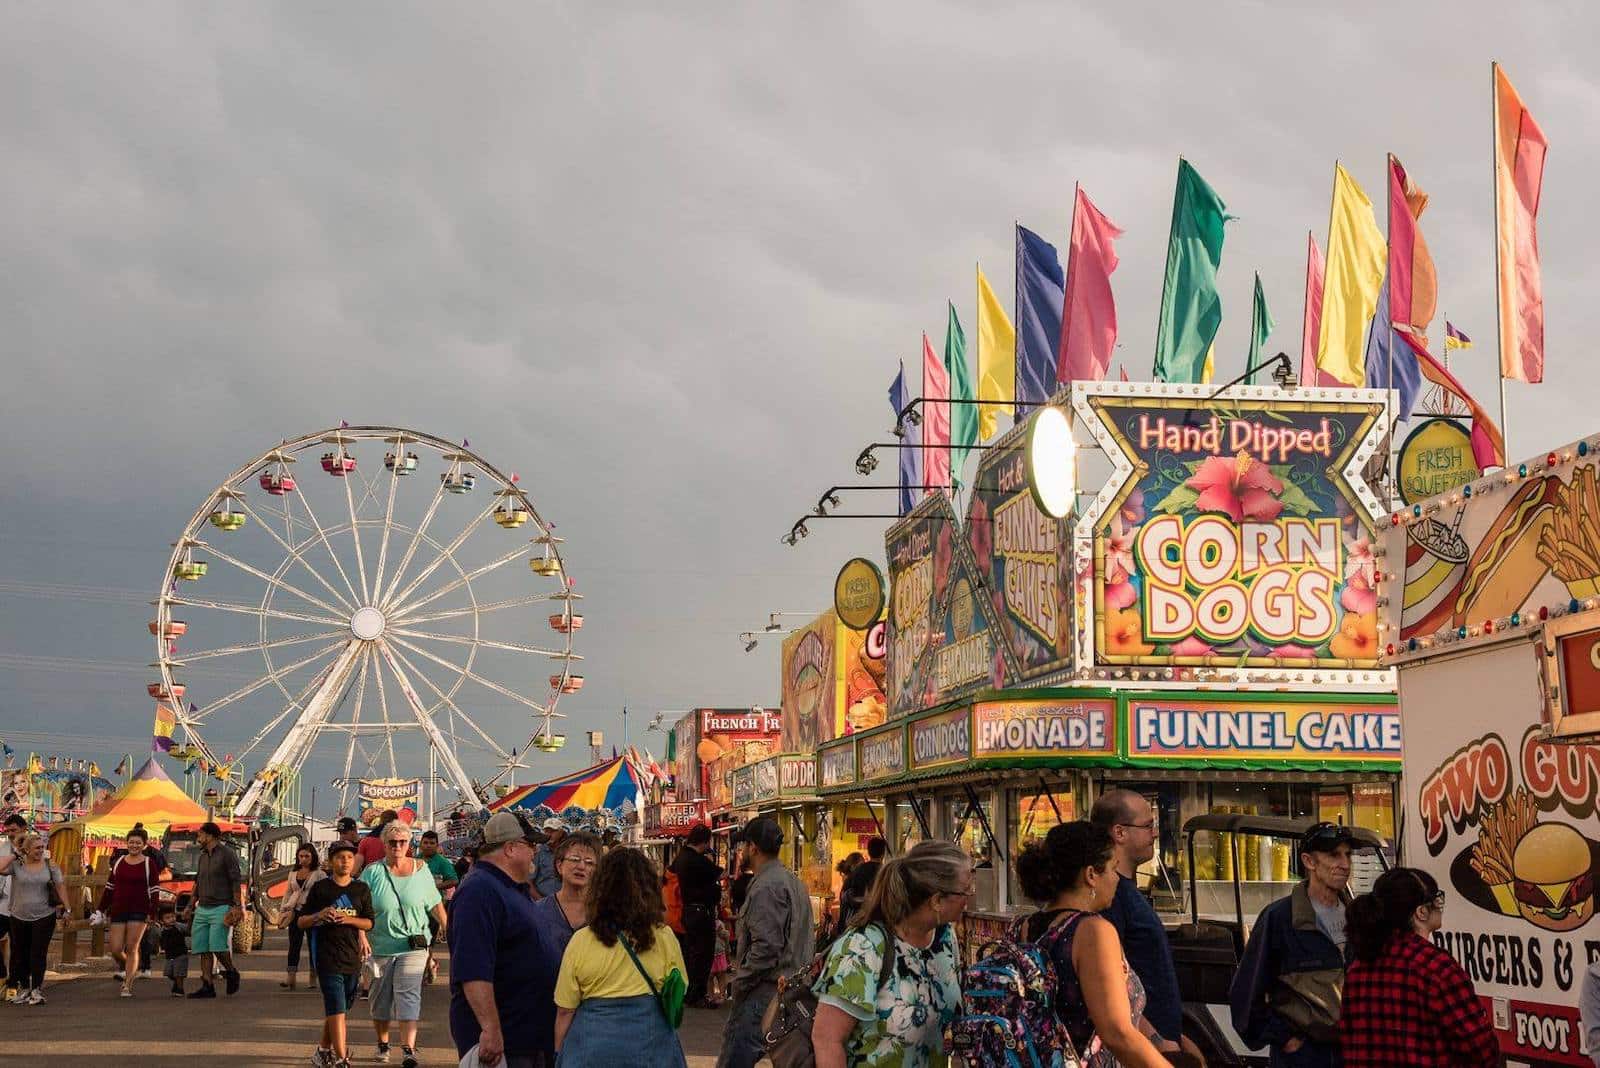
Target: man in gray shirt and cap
(775, 938)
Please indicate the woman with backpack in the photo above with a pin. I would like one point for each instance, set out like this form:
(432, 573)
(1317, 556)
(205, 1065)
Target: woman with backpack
(1099, 999)
(891, 1013)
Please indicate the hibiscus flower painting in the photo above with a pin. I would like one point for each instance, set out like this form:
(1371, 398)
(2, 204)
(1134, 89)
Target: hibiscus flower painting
(1240, 486)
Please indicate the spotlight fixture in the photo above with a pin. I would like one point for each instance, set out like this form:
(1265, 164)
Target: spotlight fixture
(1283, 373)
(750, 646)
(829, 499)
(899, 428)
(773, 624)
(789, 538)
(866, 463)
(913, 417)
(801, 528)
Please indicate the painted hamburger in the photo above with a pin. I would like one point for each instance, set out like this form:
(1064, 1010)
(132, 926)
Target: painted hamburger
(1553, 881)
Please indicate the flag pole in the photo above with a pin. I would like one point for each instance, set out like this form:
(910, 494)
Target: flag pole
(1161, 312)
(1388, 277)
(1305, 315)
(1499, 331)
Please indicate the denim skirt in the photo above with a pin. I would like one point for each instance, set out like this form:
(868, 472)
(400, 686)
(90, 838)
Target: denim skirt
(620, 1033)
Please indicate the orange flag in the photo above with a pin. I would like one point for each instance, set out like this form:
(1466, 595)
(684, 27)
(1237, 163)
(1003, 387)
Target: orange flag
(1519, 151)
(1311, 320)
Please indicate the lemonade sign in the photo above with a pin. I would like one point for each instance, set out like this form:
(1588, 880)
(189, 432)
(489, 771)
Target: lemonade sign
(1239, 534)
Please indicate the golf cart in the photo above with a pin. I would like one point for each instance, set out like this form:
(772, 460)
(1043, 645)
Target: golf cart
(1206, 950)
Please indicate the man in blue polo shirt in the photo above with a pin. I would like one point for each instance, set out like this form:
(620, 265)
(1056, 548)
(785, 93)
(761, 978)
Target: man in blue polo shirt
(1132, 823)
(501, 987)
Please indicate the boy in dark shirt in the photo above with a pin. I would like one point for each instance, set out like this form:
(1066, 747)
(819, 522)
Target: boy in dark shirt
(336, 911)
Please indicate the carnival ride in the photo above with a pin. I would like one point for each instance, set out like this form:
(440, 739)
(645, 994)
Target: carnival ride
(378, 611)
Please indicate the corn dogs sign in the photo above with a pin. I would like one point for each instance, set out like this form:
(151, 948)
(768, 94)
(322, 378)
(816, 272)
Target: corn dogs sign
(1235, 534)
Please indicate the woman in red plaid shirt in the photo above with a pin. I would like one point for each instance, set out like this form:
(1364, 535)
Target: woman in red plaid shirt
(1406, 1001)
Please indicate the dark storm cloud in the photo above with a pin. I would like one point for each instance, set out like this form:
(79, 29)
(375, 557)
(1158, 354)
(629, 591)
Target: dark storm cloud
(660, 259)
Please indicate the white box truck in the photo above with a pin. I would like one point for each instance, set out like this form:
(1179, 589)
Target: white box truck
(1490, 594)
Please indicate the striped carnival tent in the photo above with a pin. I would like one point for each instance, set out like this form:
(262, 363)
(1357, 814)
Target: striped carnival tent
(150, 798)
(614, 787)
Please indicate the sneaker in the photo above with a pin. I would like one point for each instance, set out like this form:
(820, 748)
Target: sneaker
(124, 993)
(36, 996)
(177, 990)
(206, 991)
(323, 1058)
(383, 1053)
(232, 978)
(146, 974)
(11, 993)
(15, 996)
(119, 975)
(408, 1057)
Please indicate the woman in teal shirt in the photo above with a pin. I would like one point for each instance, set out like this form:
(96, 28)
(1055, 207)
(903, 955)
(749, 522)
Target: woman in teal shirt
(403, 897)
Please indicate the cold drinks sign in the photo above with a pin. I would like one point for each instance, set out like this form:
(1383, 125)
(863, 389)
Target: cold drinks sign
(1238, 533)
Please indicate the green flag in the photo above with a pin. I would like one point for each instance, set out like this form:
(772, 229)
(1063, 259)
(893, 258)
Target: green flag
(1191, 308)
(963, 417)
(1261, 325)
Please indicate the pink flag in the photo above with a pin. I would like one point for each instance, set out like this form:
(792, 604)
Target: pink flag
(935, 418)
(1413, 285)
(1311, 322)
(1088, 313)
(1123, 371)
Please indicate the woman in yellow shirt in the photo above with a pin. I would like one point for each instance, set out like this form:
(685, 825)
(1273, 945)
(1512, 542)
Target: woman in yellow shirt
(606, 1013)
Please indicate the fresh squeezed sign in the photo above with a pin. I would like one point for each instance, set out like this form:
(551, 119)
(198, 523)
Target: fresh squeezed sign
(942, 739)
(1044, 728)
(882, 756)
(1267, 731)
(1236, 539)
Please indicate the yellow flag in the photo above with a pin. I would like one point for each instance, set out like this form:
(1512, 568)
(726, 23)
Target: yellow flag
(1211, 365)
(997, 358)
(1357, 257)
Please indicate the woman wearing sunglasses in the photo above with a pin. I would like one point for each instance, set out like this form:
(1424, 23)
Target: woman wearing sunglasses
(1406, 1001)
(403, 897)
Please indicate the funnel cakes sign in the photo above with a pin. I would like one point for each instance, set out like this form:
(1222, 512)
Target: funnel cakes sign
(1235, 533)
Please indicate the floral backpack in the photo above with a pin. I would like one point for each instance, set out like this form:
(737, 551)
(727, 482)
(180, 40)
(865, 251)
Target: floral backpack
(1008, 1005)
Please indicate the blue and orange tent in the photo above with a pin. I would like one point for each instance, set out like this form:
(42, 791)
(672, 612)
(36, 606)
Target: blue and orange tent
(613, 786)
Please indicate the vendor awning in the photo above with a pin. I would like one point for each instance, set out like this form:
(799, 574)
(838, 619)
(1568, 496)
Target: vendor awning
(613, 786)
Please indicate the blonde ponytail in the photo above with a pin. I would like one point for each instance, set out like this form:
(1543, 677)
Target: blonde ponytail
(905, 883)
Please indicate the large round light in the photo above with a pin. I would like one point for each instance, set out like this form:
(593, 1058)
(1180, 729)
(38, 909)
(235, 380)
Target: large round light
(1052, 462)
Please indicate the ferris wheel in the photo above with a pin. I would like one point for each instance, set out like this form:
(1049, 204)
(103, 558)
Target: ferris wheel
(327, 613)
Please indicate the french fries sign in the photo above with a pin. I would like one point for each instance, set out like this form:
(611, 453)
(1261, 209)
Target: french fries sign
(1235, 533)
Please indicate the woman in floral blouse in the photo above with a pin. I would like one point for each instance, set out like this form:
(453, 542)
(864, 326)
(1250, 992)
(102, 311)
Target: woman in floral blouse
(910, 912)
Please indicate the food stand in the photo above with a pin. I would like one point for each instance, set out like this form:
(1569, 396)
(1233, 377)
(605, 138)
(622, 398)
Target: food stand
(1492, 618)
(1202, 630)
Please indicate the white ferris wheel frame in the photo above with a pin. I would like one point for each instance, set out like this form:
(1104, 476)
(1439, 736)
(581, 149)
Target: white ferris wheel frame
(357, 609)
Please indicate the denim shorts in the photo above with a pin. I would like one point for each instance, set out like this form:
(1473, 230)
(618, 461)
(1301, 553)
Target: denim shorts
(338, 992)
(129, 917)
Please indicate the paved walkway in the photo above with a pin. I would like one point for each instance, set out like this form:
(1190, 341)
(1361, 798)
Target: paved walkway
(85, 1020)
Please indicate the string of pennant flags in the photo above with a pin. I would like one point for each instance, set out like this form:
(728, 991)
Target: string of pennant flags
(1368, 306)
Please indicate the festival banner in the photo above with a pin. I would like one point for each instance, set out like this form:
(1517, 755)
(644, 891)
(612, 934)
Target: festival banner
(919, 549)
(1235, 533)
(833, 678)
(1084, 728)
(674, 819)
(881, 754)
(1261, 729)
(685, 762)
(940, 739)
(375, 796)
(797, 776)
(836, 766)
(732, 738)
(1502, 552)
(1023, 560)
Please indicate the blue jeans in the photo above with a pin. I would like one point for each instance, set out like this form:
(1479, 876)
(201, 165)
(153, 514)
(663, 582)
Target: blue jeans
(743, 1044)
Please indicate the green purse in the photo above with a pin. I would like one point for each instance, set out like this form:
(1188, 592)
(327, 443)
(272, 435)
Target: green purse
(674, 989)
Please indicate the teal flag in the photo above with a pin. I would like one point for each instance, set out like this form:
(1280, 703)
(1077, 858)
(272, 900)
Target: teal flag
(963, 417)
(1261, 324)
(1191, 307)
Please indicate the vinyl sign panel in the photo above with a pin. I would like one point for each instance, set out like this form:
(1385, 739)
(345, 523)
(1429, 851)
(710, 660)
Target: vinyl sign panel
(1235, 533)
(838, 766)
(1266, 732)
(942, 739)
(1044, 728)
(882, 756)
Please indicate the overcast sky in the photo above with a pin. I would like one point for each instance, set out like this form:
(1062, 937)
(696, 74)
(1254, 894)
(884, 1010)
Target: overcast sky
(665, 257)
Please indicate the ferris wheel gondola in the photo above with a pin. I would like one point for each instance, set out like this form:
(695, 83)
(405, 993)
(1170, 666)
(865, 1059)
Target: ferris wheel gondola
(373, 614)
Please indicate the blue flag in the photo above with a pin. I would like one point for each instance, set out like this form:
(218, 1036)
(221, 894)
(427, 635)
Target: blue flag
(910, 455)
(1390, 362)
(1040, 295)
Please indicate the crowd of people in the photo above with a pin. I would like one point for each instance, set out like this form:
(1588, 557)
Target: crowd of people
(566, 950)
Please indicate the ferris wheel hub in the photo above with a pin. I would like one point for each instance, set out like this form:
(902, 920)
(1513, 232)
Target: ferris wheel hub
(367, 624)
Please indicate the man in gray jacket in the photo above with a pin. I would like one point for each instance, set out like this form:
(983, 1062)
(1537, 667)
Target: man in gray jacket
(775, 938)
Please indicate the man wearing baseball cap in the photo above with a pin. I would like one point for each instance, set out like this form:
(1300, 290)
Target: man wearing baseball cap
(546, 881)
(1287, 991)
(775, 939)
(501, 988)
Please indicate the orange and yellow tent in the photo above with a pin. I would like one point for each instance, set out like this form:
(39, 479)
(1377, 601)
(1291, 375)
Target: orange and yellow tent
(150, 798)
